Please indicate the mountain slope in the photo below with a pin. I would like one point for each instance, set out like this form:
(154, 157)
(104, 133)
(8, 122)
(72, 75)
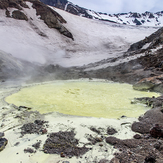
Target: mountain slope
(51, 18)
(94, 40)
(98, 46)
(143, 19)
(131, 18)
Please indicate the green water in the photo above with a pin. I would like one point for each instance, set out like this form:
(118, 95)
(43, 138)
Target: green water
(95, 99)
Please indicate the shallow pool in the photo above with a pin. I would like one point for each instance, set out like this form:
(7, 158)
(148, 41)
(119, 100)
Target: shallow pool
(82, 98)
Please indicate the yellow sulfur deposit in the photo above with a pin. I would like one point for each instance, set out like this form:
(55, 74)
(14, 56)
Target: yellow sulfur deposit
(82, 98)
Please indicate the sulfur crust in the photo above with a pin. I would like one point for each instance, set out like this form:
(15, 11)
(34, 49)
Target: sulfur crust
(81, 98)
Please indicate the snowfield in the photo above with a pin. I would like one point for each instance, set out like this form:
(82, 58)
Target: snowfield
(143, 19)
(94, 40)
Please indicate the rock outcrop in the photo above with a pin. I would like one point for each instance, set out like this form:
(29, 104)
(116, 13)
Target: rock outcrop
(137, 150)
(51, 18)
(153, 40)
(151, 61)
(150, 84)
(17, 14)
(150, 118)
(3, 141)
(69, 7)
(65, 144)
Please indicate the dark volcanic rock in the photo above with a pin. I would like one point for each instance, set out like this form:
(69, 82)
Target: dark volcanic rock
(111, 131)
(154, 38)
(29, 150)
(152, 60)
(139, 151)
(150, 159)
(137, 18)
(3, 4)
(156, 131)
(151, 84)
(113, 140)
(104, 161)
(37, 145)
(135, 15)
(137, 136)
(33, 128)
(137, 22)
(95, 130)
(57, 3)
(51, 18)
(68, 6)
(64, 144)
(19, 15)
(141, 127)
(1, 134)
(152, 102)
(3, 143)
(150, 118)
(130, 143)
(14, 4)
(94, 140)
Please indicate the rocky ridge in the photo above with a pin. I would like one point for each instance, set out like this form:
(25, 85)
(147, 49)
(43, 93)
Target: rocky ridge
(152, 61)
(131, 18)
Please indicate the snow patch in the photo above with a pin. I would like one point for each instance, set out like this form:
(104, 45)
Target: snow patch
(146, 46)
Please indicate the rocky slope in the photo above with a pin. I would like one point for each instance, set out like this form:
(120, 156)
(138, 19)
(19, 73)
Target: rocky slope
(152, 60)
(69, 7)
(131, 18)
(51, 18)
(142, 63)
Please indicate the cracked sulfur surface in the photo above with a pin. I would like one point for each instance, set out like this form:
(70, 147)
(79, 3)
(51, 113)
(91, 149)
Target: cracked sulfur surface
(82, 98)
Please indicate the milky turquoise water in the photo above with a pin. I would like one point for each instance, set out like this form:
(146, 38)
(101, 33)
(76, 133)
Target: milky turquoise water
(82, 98)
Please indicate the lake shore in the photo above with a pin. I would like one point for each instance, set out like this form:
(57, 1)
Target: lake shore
(13, 118)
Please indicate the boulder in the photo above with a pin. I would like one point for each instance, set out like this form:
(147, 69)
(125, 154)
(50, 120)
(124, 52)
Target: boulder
(19, 15)
(150, 84)
(150, 118)
(3, 143)
(111, 131)
(156, 131)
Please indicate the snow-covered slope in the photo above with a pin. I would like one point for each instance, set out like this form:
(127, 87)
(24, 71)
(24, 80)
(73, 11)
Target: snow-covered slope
(131, 18)
(144, 19)
(94, 40)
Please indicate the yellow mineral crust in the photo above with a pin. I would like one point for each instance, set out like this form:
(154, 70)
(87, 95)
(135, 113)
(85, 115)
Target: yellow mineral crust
(82, 98)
